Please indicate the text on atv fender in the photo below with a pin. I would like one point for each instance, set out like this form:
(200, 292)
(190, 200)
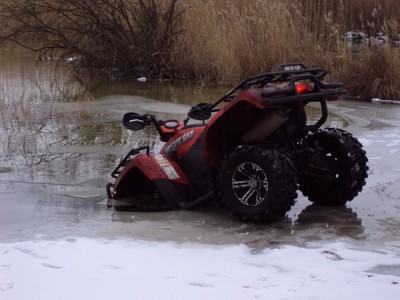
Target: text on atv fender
(167, 167)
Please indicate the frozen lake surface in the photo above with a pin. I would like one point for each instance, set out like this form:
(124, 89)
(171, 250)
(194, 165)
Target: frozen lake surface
(59, 240)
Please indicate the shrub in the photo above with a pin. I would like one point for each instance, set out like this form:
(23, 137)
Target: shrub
(128, 37)
(377, 74)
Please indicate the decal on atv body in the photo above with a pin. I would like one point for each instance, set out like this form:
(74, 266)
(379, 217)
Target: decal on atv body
(179, 141)
(167, 167)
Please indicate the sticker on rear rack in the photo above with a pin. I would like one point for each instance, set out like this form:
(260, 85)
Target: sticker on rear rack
(292, 68)
(167, 167)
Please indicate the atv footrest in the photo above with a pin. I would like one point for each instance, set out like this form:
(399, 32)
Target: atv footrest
(127, 158)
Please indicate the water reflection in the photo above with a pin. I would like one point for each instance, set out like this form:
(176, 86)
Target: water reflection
(338, 221)
(215, 225)
(333, 120)
(48, 134)
(25, 78)
(171, 92)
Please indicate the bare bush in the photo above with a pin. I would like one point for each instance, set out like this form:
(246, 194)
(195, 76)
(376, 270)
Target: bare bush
(128, 37)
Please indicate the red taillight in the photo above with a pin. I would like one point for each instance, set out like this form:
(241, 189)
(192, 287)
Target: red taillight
(301, 88)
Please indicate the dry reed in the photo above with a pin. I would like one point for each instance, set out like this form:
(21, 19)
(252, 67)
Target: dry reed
(377, 74)
(226, 41)
(206, 40)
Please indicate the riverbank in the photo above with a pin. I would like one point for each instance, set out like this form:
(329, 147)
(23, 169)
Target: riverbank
(211, 41)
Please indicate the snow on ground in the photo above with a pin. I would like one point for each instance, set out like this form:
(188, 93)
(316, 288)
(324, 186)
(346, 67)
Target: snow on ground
(80, 268)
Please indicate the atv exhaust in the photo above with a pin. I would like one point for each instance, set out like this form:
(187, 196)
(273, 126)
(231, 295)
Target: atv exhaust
(269, 122)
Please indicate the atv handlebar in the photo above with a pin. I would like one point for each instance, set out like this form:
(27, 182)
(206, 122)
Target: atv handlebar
(166, 129)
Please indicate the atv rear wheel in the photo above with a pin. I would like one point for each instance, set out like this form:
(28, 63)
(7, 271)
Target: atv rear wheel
(338, 152)
(258, 183)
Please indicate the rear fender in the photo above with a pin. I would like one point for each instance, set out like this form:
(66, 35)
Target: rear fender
(226, 129)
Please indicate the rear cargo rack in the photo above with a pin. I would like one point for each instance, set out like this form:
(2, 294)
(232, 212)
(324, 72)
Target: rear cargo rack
(286, 73)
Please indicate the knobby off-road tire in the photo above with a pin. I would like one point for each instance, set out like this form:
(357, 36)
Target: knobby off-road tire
(257, 183)
(347, 162)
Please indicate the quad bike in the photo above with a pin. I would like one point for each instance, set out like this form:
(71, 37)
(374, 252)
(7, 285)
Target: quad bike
(252, 155)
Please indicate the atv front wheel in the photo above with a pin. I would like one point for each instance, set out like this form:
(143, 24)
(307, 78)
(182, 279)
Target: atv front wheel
(344, 165)
(258, 183)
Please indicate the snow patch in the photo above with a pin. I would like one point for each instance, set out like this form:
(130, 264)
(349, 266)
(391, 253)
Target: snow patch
(79, 268)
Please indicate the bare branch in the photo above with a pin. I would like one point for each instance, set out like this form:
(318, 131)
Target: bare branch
(126, 35)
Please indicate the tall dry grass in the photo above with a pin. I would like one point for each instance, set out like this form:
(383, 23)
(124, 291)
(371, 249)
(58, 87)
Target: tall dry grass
(377, 74)
(226, 41)
(204, 40)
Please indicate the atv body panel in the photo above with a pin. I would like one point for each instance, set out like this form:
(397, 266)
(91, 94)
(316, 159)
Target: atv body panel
(143, 172)
(166, 171)
(252, 153)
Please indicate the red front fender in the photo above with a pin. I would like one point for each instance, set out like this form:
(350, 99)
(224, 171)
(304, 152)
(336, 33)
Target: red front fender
(144, 173)
(153, 167)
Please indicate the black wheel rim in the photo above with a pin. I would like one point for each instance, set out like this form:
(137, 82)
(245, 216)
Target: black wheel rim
(250, 184)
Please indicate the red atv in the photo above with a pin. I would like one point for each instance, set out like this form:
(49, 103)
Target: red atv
(257, 149)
